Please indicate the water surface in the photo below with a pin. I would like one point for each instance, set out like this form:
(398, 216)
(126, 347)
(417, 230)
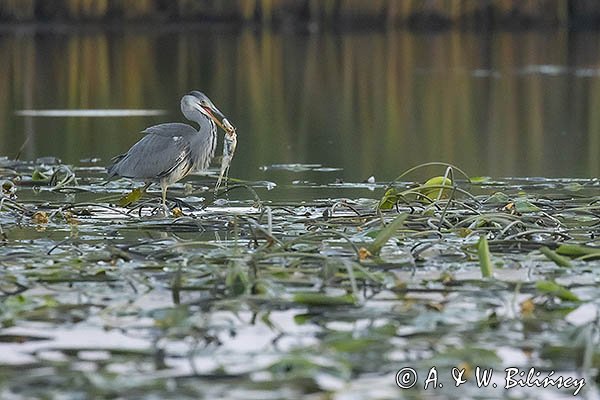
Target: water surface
(370, 103)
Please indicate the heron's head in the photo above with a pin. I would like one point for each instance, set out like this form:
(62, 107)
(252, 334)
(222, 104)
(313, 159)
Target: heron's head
(196, 101)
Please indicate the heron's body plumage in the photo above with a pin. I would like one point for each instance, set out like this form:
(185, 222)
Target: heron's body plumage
(168, 151)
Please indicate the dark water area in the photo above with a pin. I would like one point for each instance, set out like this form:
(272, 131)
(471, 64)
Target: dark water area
(370, 103)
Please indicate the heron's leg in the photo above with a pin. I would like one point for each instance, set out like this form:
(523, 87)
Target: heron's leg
(164, 185)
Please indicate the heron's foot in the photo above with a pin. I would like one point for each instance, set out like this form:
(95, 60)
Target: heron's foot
(182, 204)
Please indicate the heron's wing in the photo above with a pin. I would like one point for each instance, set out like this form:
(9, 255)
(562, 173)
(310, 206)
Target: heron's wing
(156, 155)
(202, 143)
(170, 130)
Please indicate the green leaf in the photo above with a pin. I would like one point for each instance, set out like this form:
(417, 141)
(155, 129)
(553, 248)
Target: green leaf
(171, 317)
(301, 319)
(576, 250)
(39, 176)
(480, 179)
(467, 354)
(126, 200)
(438, 186)
(498, 198)
(388, 200)
(301, 368)
(463, 232)
(574, 187)
(558, 259)
(386, 233)
(554, 289)
(523, 206)
(237, 281)
(485, 261)
(319, 299)
(353, 345)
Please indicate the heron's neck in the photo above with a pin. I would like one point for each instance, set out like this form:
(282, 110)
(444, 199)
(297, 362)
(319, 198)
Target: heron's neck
(201, 120)
(198, 118)
(206, 124)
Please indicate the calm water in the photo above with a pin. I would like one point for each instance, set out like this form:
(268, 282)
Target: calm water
(502, 104)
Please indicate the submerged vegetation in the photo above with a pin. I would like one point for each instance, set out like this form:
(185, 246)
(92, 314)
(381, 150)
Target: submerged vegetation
(245, 296)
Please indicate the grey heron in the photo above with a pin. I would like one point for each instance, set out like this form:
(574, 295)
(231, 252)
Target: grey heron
(168, 152)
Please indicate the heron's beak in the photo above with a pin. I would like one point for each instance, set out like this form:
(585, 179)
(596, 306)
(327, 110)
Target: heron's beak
(216, 115)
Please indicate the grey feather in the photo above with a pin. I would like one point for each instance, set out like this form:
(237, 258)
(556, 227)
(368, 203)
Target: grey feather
(171, 129)
(165, 149)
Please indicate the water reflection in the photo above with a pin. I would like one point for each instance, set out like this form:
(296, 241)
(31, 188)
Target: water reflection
(371, 103)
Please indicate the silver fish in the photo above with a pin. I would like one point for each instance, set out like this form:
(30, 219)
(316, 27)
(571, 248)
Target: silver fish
(228, 125)
(229, 145)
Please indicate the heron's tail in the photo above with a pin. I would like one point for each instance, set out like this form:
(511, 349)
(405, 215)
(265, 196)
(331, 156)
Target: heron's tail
(112, 168)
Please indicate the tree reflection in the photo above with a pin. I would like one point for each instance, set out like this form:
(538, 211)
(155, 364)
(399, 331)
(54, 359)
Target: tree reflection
(371, 103)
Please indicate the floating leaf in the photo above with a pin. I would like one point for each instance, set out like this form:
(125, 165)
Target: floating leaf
(557, 258)
(463, 232)
(8, 188)
(293, 366)
(354, 345)
(301, 319)
(466, 354)
(576, 250)
(131, 197)
(388, 200)
(554, 289)
(523, 206)
(319, 299)
(485, 262)
(574, 187)
(21, 338)
(39, 176)
(171, 317)
(498, 198)
(237, 280)
(480, 179)
(386, 233)
(434, 187)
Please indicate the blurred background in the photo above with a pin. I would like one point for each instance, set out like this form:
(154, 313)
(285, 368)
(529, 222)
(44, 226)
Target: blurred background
(500, 88)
